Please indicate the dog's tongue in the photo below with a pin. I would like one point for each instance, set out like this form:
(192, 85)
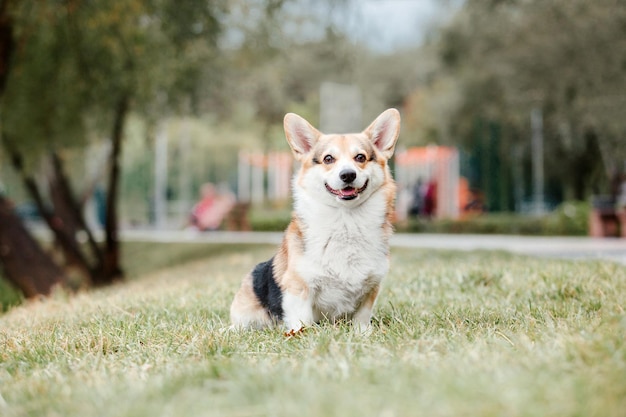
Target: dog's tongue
(348, 191)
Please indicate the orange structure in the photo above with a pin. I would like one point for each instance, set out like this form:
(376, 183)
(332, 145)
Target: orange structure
(264, 176)
(436, 169)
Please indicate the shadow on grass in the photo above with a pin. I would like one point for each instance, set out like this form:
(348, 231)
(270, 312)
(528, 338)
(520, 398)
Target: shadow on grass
(140, 258)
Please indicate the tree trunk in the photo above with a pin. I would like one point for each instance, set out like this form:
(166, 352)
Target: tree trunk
(24, 262)
(68, 208)
(112, 270)
(67, 218)
(7, 44)
(63, 235)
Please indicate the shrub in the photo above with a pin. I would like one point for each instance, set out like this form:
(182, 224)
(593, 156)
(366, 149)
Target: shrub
(267, 219)
(569, 219)
(9, 296)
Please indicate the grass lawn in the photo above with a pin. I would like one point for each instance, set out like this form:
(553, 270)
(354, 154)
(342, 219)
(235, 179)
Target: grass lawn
(455, 334)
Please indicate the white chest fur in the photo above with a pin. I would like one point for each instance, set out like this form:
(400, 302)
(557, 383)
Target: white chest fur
(345, 253)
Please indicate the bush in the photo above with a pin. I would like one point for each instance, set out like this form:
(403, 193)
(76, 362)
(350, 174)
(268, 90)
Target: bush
(267, 219)
(9, 296)
(569, 219)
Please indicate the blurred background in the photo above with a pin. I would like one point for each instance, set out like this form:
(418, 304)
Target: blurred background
(159, 114)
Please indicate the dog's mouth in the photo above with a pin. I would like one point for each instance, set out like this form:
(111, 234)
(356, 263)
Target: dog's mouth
(347, 193)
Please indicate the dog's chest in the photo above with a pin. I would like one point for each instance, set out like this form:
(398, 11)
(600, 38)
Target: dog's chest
(345, 257)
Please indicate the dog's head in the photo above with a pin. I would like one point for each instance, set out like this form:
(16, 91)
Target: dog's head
(343, 168)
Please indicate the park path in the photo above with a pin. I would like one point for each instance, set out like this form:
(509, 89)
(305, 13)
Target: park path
(612, 249)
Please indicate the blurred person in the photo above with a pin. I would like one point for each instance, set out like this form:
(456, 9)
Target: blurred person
(430, 199)
(209, 213)
(417, 200)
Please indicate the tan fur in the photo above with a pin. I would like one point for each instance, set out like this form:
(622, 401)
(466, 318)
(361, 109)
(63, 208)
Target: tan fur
(291, 248)
(370, 299)
(246, 307)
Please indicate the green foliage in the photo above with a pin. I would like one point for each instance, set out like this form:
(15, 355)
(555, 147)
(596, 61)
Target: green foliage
(564, 57)
(76, 61)
(269, 219)
(477, 333)
(9, 296)
(569, 219)
(44, 95)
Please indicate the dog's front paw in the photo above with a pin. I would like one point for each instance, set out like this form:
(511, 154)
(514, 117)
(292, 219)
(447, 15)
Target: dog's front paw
(294, 333)
(296, 322)
(294, 326)
(364, 329)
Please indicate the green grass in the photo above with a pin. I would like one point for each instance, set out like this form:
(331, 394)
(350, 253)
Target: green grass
(477, 334)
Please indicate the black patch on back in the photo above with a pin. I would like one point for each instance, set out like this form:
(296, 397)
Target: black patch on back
(267, 290)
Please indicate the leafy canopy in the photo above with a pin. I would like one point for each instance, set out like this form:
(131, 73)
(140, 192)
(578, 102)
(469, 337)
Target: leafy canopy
(76, 59)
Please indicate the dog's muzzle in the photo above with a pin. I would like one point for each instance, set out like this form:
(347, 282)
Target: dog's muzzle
(348, 192)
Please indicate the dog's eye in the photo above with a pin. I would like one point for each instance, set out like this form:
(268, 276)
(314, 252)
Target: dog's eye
(360, 158)
(328, 159)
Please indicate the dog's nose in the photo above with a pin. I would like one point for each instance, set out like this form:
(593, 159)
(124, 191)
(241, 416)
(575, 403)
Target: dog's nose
(347, 175)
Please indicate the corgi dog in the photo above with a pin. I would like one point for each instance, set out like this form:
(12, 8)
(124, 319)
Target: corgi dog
(335, 251)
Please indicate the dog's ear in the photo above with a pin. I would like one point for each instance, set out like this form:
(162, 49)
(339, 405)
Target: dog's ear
(384, 131)
(300, 134)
